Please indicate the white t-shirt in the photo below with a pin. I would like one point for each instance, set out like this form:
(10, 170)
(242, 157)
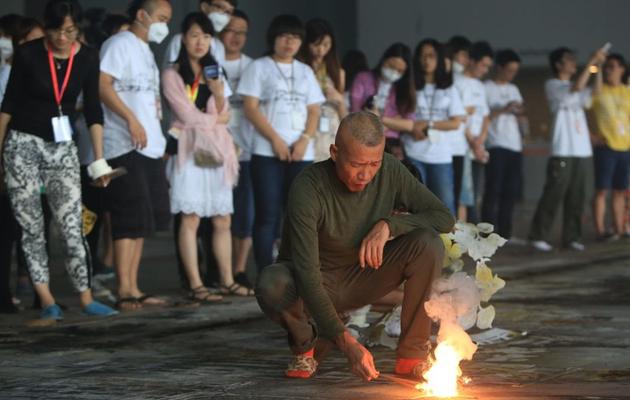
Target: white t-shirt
(503, 131)
(239, 126)
(473, 94)
(285, 91)
(570, 130)
(172, 51)
(131, 63)
(434, 105)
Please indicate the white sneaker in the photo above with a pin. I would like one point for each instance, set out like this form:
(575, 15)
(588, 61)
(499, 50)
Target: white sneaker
(577, 246)
(541, 245)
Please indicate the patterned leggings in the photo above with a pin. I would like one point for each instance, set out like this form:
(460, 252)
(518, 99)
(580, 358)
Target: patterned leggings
(30, 162)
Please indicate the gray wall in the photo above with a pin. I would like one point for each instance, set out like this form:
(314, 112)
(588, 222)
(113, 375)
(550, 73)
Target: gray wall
(533, 27)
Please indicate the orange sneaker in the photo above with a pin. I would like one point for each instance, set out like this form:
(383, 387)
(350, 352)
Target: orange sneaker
(413, 368)
(303, 366)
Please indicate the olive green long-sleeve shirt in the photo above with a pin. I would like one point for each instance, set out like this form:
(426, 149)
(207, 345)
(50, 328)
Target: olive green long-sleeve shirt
(325, 224)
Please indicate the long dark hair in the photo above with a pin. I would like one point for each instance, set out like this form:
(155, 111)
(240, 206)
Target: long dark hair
(316, 30)
(442, 78)
(404, 87)
(185, 70)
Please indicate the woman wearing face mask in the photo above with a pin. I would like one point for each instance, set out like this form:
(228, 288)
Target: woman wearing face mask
(219, 12)
(439, 112)
(319, 50)
(388, 89)
(37, 111)
(200, 115)
(282, 101)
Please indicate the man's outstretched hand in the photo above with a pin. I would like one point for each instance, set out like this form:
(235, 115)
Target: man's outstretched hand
(360, 359)
(371, 250)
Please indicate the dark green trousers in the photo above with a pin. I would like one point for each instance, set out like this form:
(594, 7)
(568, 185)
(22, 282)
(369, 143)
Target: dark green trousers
(566, 186)
(415, 258)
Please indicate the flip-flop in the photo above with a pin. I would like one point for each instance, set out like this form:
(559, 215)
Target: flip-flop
(120, 304)
(143, 300)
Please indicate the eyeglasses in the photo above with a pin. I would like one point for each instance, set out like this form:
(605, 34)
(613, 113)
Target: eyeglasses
(235, 32)
(70, 33)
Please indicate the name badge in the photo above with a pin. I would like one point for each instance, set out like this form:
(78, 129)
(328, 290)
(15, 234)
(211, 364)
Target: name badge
(298, 120)
(62, 129)
(324, 124)
(434, 136)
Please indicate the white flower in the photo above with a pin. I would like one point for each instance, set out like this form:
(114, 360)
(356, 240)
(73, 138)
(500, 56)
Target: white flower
(487, 283)
(485, 227)
(485, 317)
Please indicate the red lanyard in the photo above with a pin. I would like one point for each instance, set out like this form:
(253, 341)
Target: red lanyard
(193, 91)
(53, 74)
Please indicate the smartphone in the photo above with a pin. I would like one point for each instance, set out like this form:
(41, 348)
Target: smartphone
(369, 103)
(211, 71)
(606, 47)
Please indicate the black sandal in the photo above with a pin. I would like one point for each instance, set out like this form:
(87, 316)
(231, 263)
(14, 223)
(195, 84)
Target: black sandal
(233, 290)
(128, 300)
(209, 297)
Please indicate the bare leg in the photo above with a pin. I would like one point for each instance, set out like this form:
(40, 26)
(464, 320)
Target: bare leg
(599, 212)
(222, 248)
(619, 210)
(108, 244)
(462, 213)
(187, 239)
(124, 250)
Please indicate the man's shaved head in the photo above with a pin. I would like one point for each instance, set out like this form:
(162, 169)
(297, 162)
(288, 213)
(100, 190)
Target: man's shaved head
(363, 126)
(358, 149)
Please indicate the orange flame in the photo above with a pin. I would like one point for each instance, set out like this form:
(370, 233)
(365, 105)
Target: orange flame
(442, 377)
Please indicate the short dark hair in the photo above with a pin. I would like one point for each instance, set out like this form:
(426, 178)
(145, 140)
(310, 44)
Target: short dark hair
(137, 5)
(622, 61)
(240, 14)
(234, 3)
(281, 25)
(458, 43)
(27, 24)
(556, 56)
(442, 77)
(10, 24)
(56, 12)
(481, 49)
(506, 56)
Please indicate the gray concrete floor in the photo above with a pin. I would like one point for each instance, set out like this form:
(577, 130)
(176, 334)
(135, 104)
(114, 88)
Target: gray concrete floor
(570, 312)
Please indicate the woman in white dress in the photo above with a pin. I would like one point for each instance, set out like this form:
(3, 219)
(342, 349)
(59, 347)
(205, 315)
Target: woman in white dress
(205, 169)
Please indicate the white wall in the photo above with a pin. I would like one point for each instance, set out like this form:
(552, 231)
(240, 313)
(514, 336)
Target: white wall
(532, 27)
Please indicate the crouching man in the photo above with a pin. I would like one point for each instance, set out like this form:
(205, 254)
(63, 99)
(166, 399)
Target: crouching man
(343, 247)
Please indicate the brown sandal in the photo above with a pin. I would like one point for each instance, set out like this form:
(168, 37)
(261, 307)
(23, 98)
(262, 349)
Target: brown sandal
(209, 297)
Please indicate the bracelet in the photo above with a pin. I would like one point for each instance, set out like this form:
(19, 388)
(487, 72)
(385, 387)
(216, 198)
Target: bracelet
(306, 136)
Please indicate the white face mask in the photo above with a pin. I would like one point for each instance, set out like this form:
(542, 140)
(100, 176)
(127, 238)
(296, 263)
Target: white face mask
(158, 31)
(390, 75)
(6, 48)
(457, 68)
(219, 20)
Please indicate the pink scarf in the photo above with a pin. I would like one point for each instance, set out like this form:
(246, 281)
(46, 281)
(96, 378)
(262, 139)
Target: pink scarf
(199, 130)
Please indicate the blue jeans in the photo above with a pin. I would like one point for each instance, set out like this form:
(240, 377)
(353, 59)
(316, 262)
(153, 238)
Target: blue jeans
(439, 179)
(243, 217)
(271, 179)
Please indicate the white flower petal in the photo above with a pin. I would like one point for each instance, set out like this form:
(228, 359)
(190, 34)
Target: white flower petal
(485, 317)
(485, 227)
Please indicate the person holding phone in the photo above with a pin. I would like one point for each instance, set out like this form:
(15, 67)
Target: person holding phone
(571, 152)
(201, 187)
(388, 89)
(282, 101)
(38, 108)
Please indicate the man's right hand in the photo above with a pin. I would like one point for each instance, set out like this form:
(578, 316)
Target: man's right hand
(360, 359)
(138, 135)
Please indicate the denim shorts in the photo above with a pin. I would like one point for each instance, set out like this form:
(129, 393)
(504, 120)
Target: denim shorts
(612, 168)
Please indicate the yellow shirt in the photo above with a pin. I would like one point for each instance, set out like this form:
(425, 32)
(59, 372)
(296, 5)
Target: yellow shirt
(611, 109)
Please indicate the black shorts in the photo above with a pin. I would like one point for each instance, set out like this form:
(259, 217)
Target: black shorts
(138, 201)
